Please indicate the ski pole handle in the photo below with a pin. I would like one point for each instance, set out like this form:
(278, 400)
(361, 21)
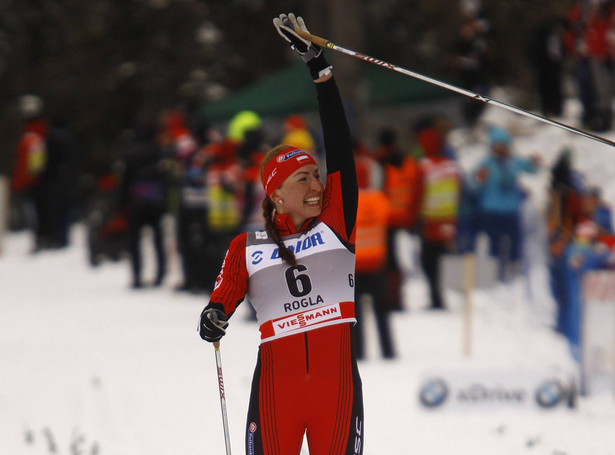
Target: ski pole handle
(313, 38)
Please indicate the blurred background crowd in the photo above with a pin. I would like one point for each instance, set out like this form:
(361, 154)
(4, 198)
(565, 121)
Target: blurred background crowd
(131, 115)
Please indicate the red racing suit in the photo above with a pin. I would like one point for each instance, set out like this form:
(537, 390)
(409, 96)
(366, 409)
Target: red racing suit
(306, 379)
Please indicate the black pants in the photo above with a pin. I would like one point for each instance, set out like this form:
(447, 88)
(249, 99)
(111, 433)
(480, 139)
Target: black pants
(139, 219)
(374, 285)
(393, 274)
(191, 238)
(202, 249)
(41, 227)
(431, 255)
(58, 208)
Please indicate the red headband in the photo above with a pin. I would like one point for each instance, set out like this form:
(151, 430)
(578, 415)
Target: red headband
(282, 166)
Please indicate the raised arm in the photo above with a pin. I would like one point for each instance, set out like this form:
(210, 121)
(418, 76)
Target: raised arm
(340, 207)
(339, 154)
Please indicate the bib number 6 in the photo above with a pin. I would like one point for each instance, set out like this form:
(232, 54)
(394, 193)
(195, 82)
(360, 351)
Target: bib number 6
(299, 284)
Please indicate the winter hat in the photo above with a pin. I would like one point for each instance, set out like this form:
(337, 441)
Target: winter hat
(498, 135)
(173, 119)
(299, 138)
(240, 123)
(30, 106)
(294, 121)
(430, 141)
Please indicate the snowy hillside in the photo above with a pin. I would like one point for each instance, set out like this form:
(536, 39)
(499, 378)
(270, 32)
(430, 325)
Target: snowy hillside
(89, 366)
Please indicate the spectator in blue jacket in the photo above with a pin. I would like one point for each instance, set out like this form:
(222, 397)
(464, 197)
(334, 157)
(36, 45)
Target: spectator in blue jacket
(500, 198)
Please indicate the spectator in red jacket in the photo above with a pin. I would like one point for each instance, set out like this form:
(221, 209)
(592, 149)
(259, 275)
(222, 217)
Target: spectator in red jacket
(30, 165)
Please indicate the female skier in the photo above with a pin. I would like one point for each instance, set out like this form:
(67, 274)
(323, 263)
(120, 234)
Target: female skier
(299, 275)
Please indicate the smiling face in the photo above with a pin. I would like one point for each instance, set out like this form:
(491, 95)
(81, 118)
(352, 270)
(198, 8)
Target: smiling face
(300, 196)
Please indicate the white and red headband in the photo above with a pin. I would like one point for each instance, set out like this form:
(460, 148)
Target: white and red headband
(280, 167)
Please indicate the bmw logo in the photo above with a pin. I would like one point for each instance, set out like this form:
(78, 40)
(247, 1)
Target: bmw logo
(550, 393)
(433, 393)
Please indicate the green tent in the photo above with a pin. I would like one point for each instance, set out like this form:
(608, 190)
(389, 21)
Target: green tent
(291, 91)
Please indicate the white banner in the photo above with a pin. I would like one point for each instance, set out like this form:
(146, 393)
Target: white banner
(598, 333)
(495, 389)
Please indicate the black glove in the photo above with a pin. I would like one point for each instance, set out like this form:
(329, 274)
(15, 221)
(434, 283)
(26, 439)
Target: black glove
(310, 52)
(213, 324)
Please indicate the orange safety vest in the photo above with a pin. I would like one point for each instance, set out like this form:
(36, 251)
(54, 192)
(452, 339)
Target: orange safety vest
(398, 187)
(371, 244)
(31, 160)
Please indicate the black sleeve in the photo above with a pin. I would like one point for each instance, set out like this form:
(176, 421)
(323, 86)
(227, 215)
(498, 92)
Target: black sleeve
(338, 146)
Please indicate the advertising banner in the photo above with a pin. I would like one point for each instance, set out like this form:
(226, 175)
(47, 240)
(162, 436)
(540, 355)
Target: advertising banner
(598, 333)
(495, 389)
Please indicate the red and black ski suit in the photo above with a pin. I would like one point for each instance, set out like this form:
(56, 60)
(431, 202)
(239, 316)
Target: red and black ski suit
(306, 379)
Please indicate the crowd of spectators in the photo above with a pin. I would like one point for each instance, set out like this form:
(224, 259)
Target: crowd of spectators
(580, 44)
(208, 182)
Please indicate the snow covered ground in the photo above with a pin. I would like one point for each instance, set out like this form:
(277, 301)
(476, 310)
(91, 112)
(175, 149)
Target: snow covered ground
(89, 366)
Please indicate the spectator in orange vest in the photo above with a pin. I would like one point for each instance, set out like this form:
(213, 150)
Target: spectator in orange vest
(400, 170)
(371, 253)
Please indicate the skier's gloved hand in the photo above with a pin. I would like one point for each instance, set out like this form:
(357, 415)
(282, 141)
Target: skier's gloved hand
(285, 25)
(310, 52)
(213, 324)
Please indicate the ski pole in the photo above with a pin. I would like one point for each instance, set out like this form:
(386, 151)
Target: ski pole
(227, 436)
(322, 42)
